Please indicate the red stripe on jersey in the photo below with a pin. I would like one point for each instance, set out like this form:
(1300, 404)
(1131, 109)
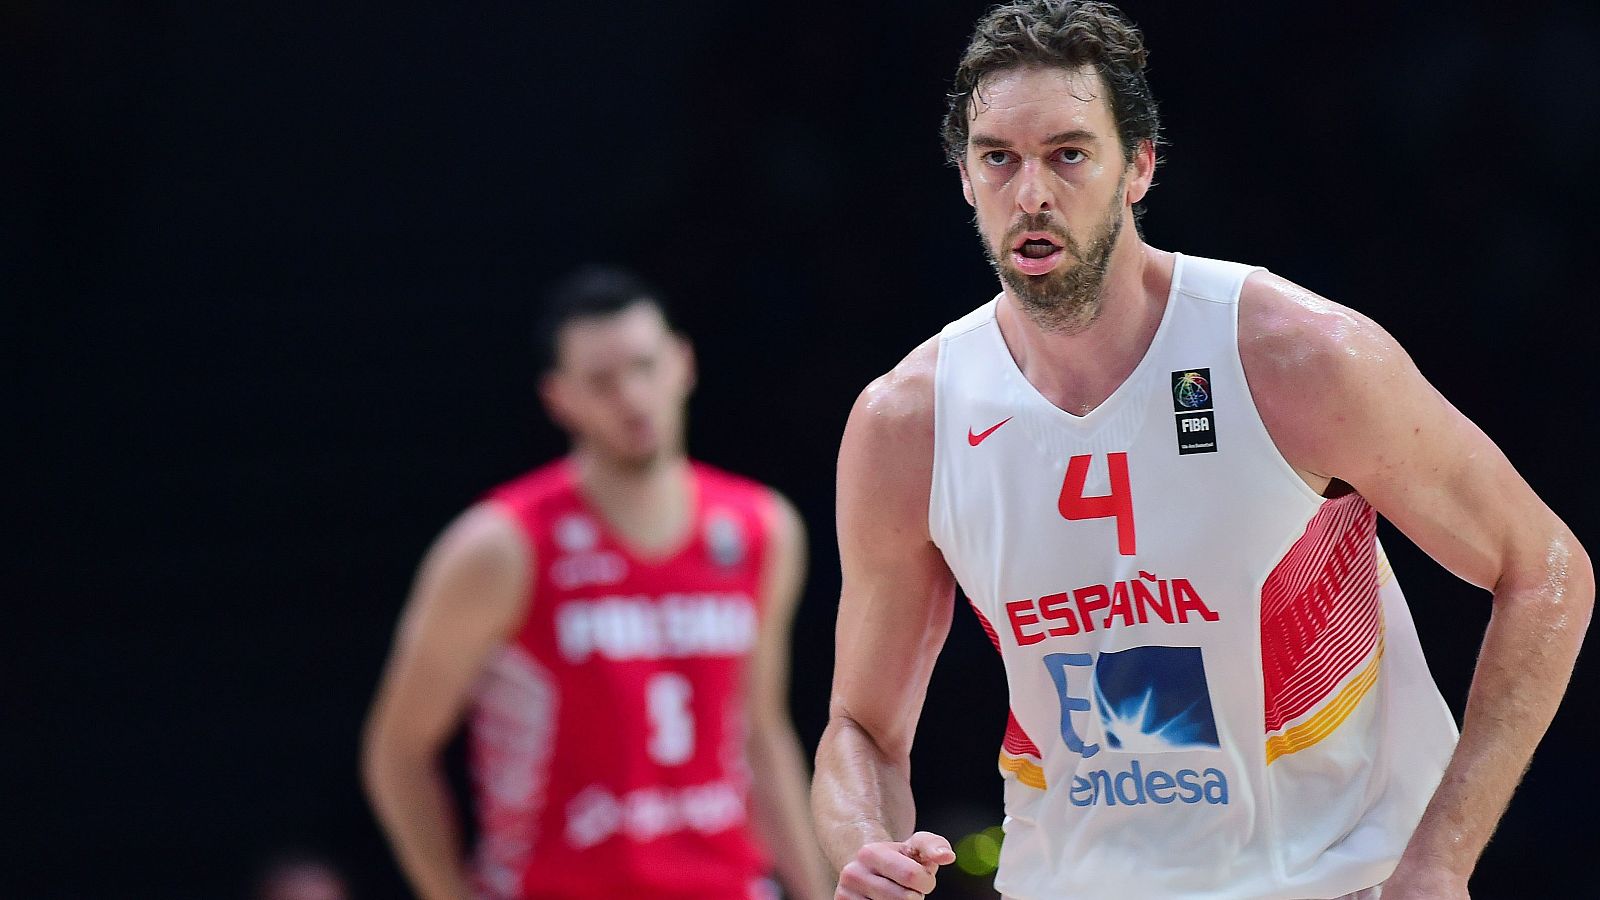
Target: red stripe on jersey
(1319, 609)
(1016, 742)
(987, 628)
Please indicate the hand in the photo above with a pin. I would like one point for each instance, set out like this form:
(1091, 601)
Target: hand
(895, 870)
(1417, 880)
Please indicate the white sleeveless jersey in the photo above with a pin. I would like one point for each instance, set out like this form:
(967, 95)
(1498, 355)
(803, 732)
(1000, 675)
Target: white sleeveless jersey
(1216, 687)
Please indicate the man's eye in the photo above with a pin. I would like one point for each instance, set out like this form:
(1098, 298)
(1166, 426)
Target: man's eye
(996, 157)
(1071, 155)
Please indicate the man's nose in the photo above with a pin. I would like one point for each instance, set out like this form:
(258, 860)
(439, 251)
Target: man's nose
(1033, 189)
(635, 392)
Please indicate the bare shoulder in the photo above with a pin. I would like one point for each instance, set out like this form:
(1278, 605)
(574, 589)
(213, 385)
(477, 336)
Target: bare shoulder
(1290, 332)
(886, 456)
(898, 405)
(485, 531)
(783, 521)
(483, 545)
(1307, 359)
(471, 588)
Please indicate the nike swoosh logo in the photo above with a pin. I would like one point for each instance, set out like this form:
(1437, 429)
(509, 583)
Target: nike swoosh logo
(976, 439)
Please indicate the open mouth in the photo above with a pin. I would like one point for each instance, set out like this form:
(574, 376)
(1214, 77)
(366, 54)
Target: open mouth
(1038, 248)
(1036, 252)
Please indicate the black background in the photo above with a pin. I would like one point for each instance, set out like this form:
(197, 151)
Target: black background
(268, 271)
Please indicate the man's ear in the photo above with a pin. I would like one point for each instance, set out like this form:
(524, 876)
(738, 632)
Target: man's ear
(1144, 171)
(552, 393)
(687, 360)
(966, 183)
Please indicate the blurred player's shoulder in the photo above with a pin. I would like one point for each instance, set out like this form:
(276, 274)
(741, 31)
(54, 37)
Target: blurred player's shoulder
(722, 491)
(533, 492)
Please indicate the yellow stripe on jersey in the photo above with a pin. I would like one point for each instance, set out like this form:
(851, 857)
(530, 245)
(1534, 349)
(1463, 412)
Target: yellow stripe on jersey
(1026, 770)
(1327, 719)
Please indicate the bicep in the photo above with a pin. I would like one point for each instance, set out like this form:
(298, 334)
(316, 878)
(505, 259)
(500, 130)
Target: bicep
(1432, 472)
(469, 593)
(896, 603)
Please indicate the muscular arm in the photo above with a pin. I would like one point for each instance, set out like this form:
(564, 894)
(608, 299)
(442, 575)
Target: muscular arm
(469, 593)
(894, 615)
(781, 814)
(1445, 484)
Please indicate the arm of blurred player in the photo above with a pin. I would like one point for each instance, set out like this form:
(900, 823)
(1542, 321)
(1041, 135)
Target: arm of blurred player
(1344, 400)
(894, 615)
(779, 793)
(469, 593)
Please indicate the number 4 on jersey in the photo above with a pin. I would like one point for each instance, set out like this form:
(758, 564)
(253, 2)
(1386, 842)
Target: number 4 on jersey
(1118, 504)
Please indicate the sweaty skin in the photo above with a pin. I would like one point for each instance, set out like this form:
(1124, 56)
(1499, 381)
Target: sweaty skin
(1338, 396)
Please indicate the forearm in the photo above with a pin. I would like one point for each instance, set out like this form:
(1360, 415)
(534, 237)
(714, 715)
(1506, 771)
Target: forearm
(1523, 668)
(782, 816)
(413, 804)
(860, 793)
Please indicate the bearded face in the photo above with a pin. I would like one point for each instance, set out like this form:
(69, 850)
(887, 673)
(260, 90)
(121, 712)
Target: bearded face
(1049, 182)
(1055, 275)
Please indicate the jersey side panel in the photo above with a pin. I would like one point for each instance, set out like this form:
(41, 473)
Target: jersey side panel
(512, 723)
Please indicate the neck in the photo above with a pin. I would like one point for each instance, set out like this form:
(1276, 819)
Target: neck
(606, 478)
(1078, 369)
(648, 504)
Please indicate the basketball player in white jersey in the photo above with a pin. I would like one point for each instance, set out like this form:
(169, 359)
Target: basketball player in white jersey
(1156, 478)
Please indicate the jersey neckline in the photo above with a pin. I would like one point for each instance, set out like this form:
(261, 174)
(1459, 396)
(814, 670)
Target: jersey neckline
(1114, 399)
(637, 554)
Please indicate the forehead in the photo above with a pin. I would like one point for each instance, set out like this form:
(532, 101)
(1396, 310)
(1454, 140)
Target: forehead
(596, 341)
(1029, 102)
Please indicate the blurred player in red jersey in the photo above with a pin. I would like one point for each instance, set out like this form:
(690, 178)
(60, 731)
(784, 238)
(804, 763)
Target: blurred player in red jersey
(614, 628)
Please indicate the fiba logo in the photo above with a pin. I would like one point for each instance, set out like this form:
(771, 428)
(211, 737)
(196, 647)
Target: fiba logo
(1192, 401)
(725, 538)
(1192, 389)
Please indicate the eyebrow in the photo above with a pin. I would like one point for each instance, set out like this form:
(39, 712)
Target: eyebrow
(1076, 135)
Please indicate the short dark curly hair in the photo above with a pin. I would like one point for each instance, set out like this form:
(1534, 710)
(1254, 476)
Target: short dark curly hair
(1064, 34)
(592, 291)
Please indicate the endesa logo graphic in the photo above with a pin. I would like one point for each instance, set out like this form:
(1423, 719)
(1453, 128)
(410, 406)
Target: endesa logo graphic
(1154, 699)
(1148, 700)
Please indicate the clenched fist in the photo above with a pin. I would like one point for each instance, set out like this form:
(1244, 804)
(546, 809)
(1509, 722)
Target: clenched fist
(894, 870)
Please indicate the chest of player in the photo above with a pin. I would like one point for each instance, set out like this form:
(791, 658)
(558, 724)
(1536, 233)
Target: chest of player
(1154, 518)
(597, 602)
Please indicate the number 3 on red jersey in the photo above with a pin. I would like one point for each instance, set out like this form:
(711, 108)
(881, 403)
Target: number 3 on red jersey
(1118, 504)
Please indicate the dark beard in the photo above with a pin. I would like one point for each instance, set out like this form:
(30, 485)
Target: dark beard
(1066, 300)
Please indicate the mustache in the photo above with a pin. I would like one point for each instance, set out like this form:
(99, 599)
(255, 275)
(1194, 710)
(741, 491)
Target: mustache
(1040, 222)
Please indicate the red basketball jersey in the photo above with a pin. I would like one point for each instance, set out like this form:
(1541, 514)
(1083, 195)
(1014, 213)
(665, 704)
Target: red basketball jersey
(607, 736)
